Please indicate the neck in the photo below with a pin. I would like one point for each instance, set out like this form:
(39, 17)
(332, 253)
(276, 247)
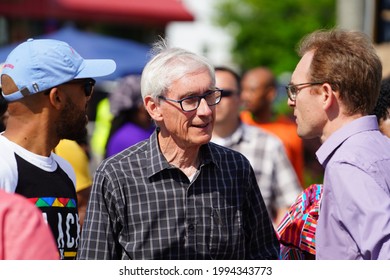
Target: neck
(336, 123)
(32, 135)
(186, 158)
(225, 128)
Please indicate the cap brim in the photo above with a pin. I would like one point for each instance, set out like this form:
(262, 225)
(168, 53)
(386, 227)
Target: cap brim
(92, 68)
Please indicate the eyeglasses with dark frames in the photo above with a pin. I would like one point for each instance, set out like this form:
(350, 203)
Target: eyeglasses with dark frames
(192, 103)
(293, 90)
(89, 85)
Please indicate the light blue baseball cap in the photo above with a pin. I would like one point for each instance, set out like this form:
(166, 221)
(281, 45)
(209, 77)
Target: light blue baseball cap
(38, 65)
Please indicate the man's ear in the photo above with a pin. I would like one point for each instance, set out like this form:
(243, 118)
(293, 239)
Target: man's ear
(57, 99)
(329, 97)
(153, 108)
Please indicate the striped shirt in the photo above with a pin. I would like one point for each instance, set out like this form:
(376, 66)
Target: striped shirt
(141, 207)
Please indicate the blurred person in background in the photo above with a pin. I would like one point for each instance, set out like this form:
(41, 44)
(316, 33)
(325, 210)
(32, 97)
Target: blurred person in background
(132, 122)
(276, 178)
(176, 195)
(75, 153)
(382, 108)
(258, 92)
(99, 125)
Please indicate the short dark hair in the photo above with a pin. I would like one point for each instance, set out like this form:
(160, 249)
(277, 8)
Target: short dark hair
(231, 71)
(383, 103)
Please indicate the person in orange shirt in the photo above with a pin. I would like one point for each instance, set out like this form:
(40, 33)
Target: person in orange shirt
(259, 89)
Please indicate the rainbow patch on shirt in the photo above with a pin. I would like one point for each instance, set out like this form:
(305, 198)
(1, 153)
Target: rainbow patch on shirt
(53, 202)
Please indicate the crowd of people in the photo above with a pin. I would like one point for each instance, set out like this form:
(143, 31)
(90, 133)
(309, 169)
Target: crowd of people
(275, 175)
(197, 164)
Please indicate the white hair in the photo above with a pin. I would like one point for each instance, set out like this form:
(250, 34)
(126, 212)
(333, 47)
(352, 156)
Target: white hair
(169, 65)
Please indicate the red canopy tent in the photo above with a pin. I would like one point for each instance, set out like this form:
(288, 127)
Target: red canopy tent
(113, 11)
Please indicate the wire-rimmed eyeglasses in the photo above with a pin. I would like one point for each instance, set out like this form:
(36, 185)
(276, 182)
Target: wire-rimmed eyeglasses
(293, 90)
(192, 103)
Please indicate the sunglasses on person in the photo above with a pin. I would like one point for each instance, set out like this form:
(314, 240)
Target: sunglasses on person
(89, 85)
(227, 92)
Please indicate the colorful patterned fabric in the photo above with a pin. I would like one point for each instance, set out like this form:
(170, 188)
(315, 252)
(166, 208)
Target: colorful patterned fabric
(53, 202)
(297, 229)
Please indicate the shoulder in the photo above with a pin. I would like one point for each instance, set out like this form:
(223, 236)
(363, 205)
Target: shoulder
(364, 146)
(66, 166)
(71, 151)
(7, 151)
(6, 146)
(127, 156)
(66, 145)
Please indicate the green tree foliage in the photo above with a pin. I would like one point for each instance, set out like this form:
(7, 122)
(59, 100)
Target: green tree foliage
(266, 32)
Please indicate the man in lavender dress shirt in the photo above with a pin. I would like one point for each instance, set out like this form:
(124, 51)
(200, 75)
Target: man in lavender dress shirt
(333, 88)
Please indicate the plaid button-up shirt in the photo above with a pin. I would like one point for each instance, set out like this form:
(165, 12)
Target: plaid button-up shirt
(141, 207)
(275, 175)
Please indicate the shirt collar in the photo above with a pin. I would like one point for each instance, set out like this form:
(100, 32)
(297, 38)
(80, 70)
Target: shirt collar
(331, 144)
(158, 163)
(235, 138)
(237, 135)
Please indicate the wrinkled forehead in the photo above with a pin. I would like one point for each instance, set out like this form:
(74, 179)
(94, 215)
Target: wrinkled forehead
(200, 79)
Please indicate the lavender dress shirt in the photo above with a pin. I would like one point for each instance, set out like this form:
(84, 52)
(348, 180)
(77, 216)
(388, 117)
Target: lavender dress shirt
(354, 219)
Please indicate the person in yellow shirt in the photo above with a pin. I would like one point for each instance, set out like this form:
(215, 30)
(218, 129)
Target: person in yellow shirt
(76, 155)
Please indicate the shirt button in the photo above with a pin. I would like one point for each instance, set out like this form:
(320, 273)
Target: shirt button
(191, 227)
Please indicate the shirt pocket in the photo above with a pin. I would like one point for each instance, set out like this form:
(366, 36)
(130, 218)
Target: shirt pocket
(226, 237)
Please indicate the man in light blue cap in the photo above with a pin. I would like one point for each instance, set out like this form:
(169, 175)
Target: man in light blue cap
(47, 85)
